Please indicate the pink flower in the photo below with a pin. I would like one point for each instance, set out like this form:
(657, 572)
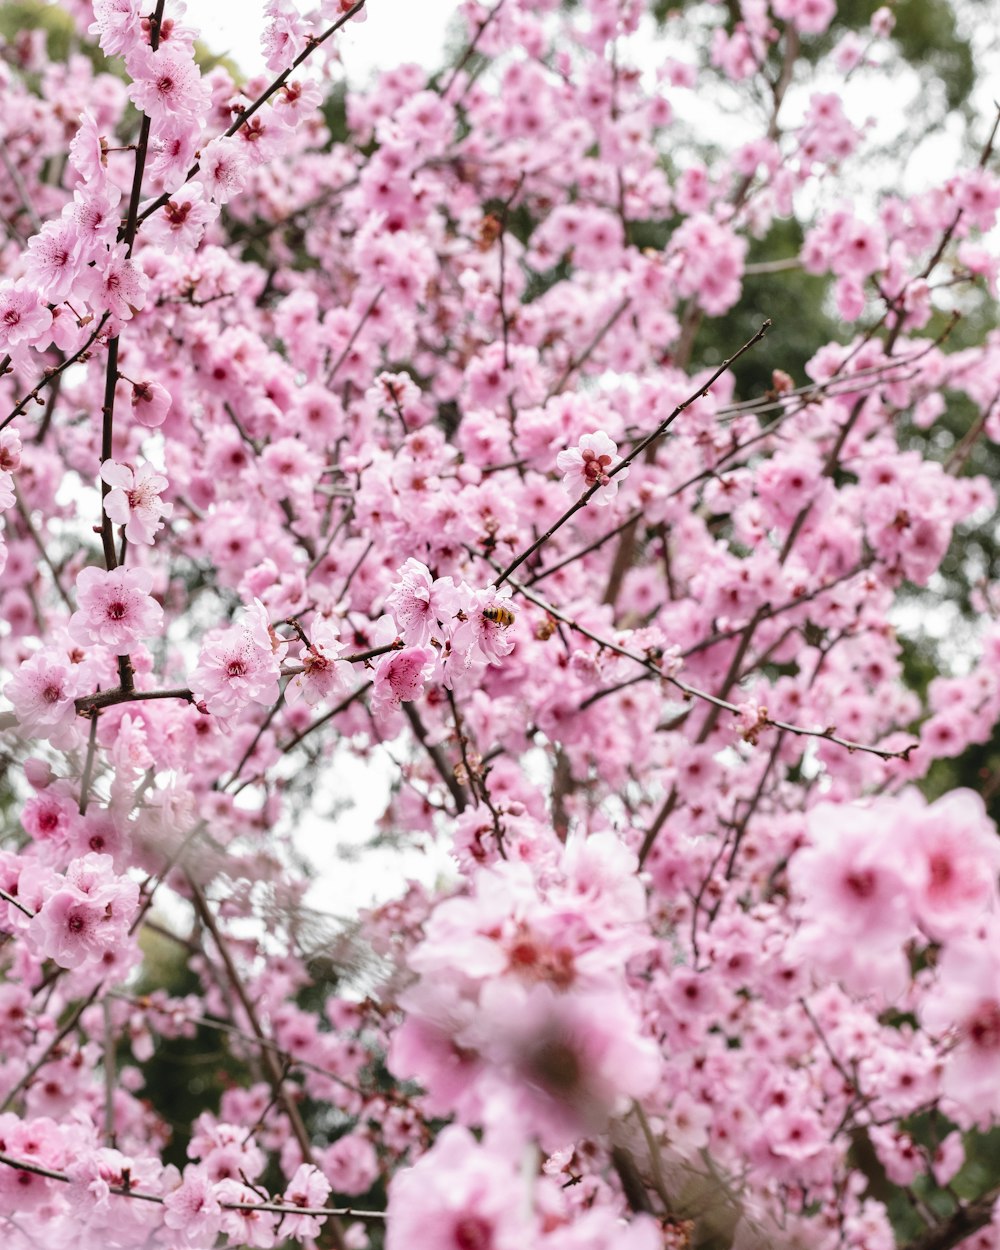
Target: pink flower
(246, 1227)
(51, 261)
(23, 316)
(238, 666)
(400, 676)
(42, 691)
(117, 24)
(87, 915)
(10, 450)
(117, 284)
(150, 404)
(351, 1164)
(88, 150)
(172, 153)
(307, 1188)
(282, 40)
(569, 1060)
(486, 635)
(417, 602)
(459, 1196)
(323, 676)
(852, 877)
(965, 1006)
(588, 465)
(116, 609)
(192, 1209)
(94, 212)
(223, 169)
(134, 500)
(956, 860)
(180, 223)
(167, 83)
(811, 17)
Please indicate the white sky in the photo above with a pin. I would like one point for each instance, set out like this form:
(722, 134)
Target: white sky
(395, 31)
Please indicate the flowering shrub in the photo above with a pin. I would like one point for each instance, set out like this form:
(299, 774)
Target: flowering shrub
(383, 423)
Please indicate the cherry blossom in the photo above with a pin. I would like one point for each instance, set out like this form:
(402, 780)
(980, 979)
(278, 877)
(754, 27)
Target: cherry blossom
(116, 609)
(586, 466)
(23, 317)
(134, 499)
(238, 665)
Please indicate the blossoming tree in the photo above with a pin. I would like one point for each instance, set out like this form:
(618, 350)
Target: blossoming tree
(337, 423)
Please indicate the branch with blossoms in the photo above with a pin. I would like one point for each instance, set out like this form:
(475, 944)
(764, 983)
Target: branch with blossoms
(604, 471)
(753, 719)
(123, 1188)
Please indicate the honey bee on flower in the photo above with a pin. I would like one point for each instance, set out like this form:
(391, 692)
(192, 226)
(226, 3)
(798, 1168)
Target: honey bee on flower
(500, 614)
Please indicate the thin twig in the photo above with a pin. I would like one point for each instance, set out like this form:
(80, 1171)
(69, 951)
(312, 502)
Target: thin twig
(636, 451)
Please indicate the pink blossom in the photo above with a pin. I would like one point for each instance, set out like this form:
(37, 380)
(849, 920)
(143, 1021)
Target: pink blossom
(10, 450)
(23, 316)
(487, 634)
(323, 677)
(238, 666)
(116, 609)
(167, 83)
(569, 1061)
(957, 860)
(42, 691)
(88, 150)
(182, 221)
(51, 260)
(134, 500)
(223, 169)
(400, 676)
(588, 464)
(117, 284)
(192, 1209)
(351, 1164)
(86, 916)
(95, 214)
(307, 1188)
(418, 602)
(150, 403)
(117, 25)
(967, 1005)
(457, 1197)
(811, 17)
(247, 1227)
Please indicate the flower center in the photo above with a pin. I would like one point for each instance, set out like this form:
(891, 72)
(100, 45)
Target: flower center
(473, 1233)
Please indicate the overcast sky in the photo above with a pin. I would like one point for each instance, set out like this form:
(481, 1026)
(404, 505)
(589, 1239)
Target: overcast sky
(395, 31)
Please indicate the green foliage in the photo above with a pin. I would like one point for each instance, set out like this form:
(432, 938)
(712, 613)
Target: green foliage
(795, 302)
(61, 39)
(185, 1075)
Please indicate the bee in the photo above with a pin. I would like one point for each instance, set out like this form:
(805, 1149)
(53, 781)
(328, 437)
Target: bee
(500, 615)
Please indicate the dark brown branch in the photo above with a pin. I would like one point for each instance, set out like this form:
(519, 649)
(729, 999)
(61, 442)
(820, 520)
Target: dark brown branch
(437, 756)
(88, 704)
